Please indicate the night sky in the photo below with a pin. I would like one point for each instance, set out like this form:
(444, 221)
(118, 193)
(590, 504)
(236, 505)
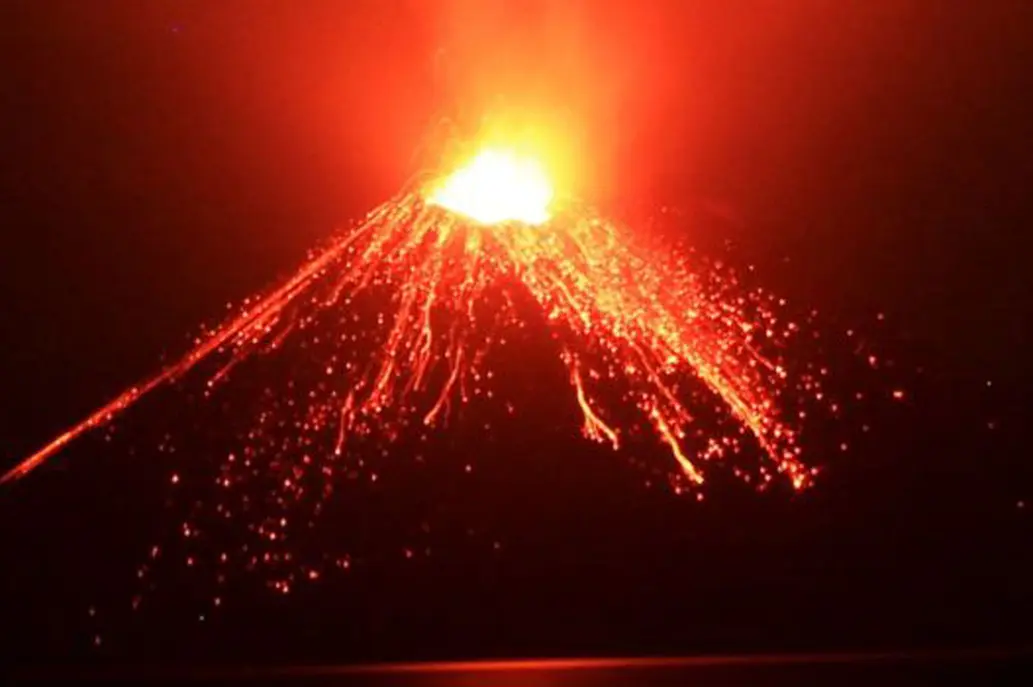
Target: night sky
(162, 159)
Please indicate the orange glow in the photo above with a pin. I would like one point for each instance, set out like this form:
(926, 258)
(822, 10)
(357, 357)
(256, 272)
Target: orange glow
(497, 186)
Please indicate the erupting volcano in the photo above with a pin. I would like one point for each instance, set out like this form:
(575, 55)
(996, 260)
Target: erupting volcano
(403, 309)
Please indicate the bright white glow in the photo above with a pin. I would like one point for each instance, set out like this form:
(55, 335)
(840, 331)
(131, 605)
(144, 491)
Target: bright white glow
(497, 186)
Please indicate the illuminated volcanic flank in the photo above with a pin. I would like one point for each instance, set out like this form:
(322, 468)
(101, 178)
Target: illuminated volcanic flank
(401, 312)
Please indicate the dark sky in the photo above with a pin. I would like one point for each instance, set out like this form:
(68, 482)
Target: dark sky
(163, 158)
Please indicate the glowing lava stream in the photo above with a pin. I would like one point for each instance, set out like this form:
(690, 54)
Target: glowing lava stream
(634, 329)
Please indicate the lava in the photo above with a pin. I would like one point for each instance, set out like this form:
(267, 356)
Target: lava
(497, 186)
(651, 341)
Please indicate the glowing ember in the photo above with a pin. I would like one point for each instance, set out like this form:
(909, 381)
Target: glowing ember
(657, 348)
(497, 186)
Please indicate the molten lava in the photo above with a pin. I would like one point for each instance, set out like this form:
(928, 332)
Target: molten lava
(497, 186)
(657, 347)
